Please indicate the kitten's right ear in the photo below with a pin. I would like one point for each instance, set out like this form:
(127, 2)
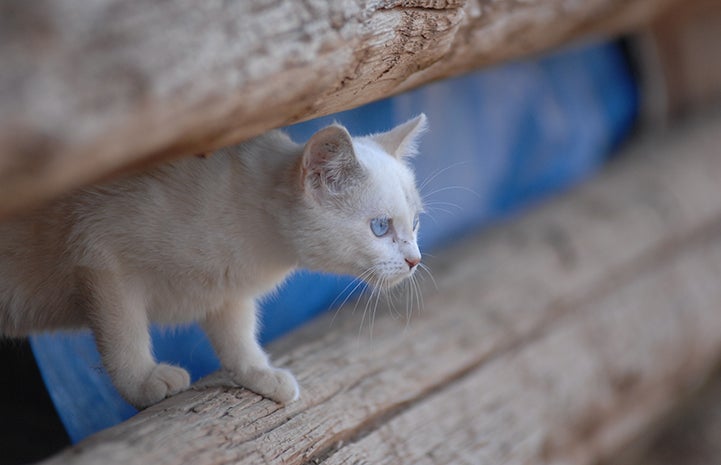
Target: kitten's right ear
(329, 162)
(402, 140)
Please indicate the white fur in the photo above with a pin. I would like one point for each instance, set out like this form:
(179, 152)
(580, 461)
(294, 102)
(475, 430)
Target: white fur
(201, 240)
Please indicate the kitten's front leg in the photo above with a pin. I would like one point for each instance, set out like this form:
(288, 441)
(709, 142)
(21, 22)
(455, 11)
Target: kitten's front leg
(232, 331)
(119, 322)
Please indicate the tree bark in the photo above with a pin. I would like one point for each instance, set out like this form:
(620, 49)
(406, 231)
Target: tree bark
(91, 88)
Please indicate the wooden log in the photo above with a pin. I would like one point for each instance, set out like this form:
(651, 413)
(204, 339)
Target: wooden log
(91, 88)
(553, 339)
(689, 436)
(677, 60)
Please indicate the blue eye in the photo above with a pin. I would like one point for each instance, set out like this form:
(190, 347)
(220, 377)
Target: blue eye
(416, 220)
(380, 226)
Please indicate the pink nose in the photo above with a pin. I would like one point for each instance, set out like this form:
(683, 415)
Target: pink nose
(412, 262)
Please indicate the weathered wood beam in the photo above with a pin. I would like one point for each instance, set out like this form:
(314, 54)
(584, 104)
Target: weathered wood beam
(677, 60)
(689, 436)
(553, 339)
(91, 88)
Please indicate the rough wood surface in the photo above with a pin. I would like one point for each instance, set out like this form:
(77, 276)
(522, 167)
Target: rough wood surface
(677, 60)
(553, 339)
(90, 88)
(689, 436)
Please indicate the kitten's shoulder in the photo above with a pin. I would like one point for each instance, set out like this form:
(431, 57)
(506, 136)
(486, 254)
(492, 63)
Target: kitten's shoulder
(275, 141)
(276, 137)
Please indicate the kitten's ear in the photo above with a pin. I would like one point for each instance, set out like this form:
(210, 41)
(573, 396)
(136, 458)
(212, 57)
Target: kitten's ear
(402, 141)
(329, 162)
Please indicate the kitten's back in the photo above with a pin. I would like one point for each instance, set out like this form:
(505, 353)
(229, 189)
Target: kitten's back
(174, 220)
(36, 283)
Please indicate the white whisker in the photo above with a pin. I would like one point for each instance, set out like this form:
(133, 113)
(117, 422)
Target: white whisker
(428, 272)
(409, 305)
(438, 173)
(375, 308)
(374, 289)
(420, 294)
(391, 296)
(358, 281)
(439, 209)
(433, 217)
(417, 292)
(439, 202)
(447, 188)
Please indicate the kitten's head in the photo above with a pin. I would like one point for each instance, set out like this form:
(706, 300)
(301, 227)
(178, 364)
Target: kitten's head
(361, 204)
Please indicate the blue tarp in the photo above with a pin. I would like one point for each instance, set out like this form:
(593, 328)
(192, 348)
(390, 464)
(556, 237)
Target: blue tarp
(499, 140)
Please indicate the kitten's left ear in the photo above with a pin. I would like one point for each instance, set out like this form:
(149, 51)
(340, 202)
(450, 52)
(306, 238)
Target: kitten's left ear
(402, 140)
(329, 162)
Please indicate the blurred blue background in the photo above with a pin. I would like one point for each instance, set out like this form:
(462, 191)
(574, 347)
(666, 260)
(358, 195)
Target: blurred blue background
(499, 140)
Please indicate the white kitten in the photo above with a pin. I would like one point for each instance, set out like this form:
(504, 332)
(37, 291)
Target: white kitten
(202, 239)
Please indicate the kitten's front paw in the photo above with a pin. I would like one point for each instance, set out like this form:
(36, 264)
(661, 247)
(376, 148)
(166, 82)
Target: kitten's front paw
(164, 381)
(273, 383)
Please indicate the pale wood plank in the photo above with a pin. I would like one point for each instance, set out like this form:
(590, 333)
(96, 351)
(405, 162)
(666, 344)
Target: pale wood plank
(585, 387)
(90, 88)
(547, 291)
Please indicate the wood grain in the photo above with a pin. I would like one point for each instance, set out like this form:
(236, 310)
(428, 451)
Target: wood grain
(552, 339)
(88, 89)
